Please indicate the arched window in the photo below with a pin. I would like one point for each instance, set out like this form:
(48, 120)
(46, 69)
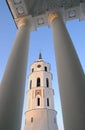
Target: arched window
(45, 68)
(38, 82)
(47, 82)
(38, 101)
(32, 69)
(48, 102)
(30, 84)
(31, 119)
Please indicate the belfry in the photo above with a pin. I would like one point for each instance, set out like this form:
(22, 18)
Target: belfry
(40, 113)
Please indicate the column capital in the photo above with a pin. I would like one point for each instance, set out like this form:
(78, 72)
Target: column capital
(52, 16)
(23, 21)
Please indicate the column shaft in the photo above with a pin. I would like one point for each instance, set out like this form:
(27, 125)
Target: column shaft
(13, 82)
(71, 78)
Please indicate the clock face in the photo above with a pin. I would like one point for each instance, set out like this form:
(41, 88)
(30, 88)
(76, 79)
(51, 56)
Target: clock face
(38, 66)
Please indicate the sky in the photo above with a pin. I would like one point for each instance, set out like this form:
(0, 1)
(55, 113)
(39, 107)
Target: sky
(40, 40)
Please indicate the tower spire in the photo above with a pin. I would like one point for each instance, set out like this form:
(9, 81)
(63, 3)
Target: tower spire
(40, 55)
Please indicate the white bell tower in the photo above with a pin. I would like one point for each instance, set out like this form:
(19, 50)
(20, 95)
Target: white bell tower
(40, 113)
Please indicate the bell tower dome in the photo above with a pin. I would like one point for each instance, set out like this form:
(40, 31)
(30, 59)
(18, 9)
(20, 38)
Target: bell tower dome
(40, 113)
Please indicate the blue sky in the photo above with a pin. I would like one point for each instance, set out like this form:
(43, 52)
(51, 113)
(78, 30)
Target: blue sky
(40, 40)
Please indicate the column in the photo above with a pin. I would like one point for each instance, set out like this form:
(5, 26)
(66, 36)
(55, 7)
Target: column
(70, 75)
(13, 83)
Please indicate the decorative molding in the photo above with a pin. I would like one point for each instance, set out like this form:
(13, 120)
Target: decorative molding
(52, 17)
(38, 92)
(22, 22)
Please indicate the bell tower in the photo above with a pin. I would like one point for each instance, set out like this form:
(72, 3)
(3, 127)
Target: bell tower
(40, 113)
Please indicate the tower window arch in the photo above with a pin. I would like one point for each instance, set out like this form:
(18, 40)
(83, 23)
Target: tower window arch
(47, 82)
(32, 69)
(31, 119)
(38, 82)
(45, 68)
(30, 84)
(48, 102)
(38, 101)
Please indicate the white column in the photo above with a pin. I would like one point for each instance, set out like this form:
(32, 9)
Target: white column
(71, 76)
(13, 82)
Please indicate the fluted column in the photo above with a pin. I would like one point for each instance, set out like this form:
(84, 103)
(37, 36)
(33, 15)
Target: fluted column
(13, 82)
(70, 75)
